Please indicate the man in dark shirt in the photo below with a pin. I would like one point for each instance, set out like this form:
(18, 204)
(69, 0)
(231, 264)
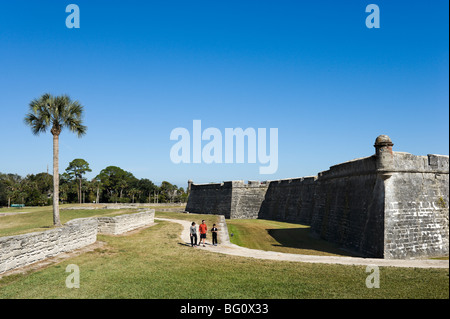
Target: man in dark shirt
(214, 235)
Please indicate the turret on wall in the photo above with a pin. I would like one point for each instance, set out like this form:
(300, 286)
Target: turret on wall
(384, 155)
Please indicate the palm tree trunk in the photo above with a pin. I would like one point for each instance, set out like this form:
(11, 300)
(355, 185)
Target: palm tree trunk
(79, 196)
(56, 219)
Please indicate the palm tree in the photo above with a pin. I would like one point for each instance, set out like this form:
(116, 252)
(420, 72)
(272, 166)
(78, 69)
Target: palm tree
(55, 113)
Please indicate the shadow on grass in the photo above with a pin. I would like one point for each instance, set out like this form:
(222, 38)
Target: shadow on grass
(185, 244)
(300, 238)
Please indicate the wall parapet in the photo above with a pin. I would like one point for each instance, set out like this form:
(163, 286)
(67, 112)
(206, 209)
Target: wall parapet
(360, 166)
(431, 163)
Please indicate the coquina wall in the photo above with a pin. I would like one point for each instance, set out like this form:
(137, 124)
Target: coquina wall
(416, 206)
(348, 207)
(210, 199)
(22, 250)
(233, 199)
(247, 198)
(389, 205)
(289, 200)
(125, 223)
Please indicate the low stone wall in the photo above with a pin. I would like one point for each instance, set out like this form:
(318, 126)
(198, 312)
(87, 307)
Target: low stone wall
(22, 250)
(224, 237)
(124, 223)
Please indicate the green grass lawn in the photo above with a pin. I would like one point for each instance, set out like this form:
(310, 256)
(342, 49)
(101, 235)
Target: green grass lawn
(152, 263)
(280, 236)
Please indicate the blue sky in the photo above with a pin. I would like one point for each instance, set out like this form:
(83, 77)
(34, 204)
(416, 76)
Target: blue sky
(312, 69)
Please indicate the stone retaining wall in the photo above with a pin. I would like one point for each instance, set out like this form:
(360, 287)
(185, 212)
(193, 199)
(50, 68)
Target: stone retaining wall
(124, 223)
(22, 250)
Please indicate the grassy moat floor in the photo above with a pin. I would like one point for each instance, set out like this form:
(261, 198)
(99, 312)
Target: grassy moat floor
(281, 237)
(151, 263)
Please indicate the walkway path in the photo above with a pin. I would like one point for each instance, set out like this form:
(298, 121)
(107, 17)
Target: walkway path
(225, 247)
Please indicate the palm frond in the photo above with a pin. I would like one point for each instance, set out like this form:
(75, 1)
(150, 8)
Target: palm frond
(75, 125)
(39, 117)
(57, 112)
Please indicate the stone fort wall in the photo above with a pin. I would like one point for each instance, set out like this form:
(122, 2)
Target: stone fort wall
(416, 207)
(389, 205)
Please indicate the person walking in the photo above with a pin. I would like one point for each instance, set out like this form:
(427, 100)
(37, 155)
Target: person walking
(193, 232)
(202, 229)
(214, 235)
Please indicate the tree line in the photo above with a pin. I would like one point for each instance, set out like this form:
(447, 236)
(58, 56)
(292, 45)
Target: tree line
(111, 185)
